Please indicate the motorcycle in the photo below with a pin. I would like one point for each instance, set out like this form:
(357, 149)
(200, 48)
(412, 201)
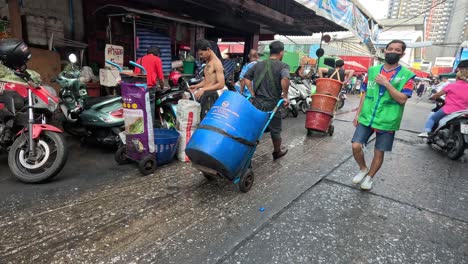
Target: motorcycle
(451, 133)
(36, 150)
(97, 119)
(341, 99)
(294, 97)
(166, 100)
(305, 92)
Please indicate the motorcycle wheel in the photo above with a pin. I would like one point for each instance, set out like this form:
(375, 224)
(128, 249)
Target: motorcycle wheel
(294, 110)
(457, 150)
(304, 107)
(51, 155)
(341, 103)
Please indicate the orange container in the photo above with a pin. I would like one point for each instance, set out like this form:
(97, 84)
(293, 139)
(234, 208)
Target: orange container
(318, 120)
(325, 103)
(328, 86)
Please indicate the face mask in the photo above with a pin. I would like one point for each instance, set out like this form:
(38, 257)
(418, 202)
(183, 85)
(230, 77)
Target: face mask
(392, 58)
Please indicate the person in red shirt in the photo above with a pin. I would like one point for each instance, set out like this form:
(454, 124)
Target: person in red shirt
(154, 73)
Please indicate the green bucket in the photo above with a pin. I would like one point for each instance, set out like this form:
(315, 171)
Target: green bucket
(189, 67)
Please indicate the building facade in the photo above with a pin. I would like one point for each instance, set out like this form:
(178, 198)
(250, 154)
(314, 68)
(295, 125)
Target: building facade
(446, 22)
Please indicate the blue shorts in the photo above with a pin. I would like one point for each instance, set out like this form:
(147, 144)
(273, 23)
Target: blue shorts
(384, 139)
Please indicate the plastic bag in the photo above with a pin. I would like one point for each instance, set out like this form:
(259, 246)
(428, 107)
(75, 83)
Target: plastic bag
(87, 75)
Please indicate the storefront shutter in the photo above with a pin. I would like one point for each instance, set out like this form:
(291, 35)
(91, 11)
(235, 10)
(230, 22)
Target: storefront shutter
(147, 37)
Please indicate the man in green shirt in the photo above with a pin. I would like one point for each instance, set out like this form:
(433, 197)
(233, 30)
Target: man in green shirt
(384, 94)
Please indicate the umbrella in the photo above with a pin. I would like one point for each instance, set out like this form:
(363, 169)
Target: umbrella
(356, 66)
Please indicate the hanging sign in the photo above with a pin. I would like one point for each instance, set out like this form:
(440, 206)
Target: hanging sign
(115, 54)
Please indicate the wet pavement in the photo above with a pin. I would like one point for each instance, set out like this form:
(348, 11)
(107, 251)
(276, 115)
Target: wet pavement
(98, 212)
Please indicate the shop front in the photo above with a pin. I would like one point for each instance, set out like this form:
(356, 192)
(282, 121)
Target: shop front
(136, 30)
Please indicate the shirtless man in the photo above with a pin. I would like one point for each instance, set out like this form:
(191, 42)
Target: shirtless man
(214, 75)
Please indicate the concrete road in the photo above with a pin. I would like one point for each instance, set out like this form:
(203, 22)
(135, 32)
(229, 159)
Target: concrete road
(98, 212)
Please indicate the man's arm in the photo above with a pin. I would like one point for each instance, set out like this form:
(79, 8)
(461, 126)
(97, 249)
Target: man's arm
(199, 85)
(285, 88)
(248, 77)
(242, 85)
(398, 96)
(322, 71)
(249, 86)
(159, 73)
(137, 69)
(438, 95)
(285, 84)
(358, 112)
(349, 74)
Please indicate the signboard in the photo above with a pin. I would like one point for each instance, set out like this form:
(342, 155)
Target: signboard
(115, 54)
(343, 13)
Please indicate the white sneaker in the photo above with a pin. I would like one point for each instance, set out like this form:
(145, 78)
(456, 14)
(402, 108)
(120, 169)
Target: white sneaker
(423, 135)
(358, 178)
(367, 183)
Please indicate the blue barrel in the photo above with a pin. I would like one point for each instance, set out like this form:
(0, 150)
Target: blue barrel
(226, 138)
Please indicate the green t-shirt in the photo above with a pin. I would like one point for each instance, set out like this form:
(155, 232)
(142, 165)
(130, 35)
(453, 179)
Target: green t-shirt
(379, 110)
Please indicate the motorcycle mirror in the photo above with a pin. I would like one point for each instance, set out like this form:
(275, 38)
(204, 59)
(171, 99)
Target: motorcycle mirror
(72, 57)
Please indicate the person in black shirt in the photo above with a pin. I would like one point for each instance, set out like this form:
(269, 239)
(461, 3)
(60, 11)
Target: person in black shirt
(339, 73)
(271, 84)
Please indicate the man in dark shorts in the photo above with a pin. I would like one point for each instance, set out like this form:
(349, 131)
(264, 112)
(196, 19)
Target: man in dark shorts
(271, 84)
(385, 92)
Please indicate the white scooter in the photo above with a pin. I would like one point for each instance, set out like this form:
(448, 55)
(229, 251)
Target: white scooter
(294, 96)
(305, 92)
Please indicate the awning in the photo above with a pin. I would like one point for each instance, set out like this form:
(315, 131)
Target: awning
(124, 10)
(419, 73)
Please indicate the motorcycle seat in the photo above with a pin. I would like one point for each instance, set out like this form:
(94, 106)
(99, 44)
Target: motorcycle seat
(159, 92)
(91, 101)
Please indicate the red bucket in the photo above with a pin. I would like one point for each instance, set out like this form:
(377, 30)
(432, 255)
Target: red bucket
(318, 120)
(325, 103)
(328, 86)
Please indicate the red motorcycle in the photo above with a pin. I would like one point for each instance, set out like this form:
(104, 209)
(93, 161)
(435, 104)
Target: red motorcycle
(36, 150)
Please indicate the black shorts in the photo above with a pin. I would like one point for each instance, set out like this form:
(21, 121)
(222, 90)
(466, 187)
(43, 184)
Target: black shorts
(275, 126)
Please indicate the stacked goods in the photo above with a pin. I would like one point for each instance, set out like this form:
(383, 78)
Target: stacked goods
(320, 115)
(188, 118)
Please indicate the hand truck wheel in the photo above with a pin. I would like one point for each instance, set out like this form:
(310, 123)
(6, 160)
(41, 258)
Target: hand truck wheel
(147, 165)
(331, 130)
(246, 181)
(120, 155)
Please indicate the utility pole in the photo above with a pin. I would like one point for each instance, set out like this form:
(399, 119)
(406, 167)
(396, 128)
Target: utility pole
(15, 18)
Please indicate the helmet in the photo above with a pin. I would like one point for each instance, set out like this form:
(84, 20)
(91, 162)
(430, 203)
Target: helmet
(14, 53)
(174, 77)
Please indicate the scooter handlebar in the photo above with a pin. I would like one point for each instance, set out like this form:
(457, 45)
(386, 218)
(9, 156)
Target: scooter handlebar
(138, 66)
(115, 65)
